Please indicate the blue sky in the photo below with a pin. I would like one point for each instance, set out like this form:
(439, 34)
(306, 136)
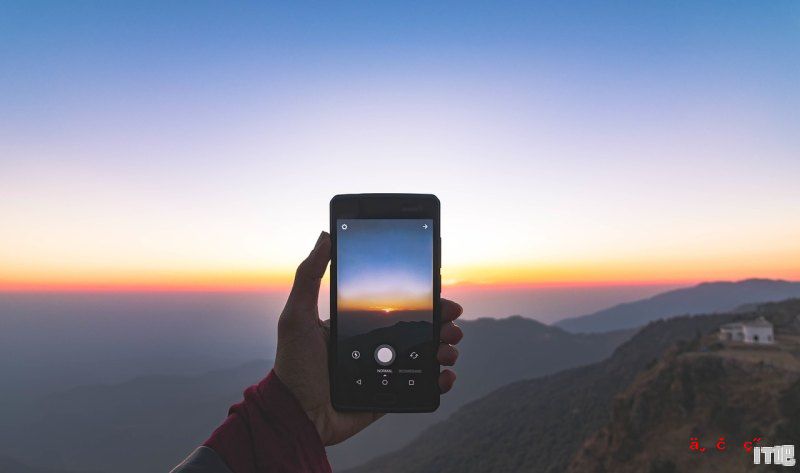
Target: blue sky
(385, 264)
(146, 142)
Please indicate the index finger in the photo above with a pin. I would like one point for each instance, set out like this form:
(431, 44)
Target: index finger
(450, 310)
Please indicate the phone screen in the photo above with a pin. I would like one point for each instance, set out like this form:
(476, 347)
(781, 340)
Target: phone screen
(385, 307)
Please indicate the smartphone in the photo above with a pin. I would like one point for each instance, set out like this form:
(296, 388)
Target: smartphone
(385, 302)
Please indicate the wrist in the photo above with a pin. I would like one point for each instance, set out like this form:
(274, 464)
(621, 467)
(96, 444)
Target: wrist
(319, 417)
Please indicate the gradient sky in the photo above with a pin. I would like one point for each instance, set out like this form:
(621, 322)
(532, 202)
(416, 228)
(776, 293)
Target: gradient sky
(197, 144)
(385, 265)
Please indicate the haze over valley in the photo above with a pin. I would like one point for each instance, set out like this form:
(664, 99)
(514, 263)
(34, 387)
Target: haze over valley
(84, 366)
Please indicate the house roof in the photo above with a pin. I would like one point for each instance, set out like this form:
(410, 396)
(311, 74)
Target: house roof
(732, 326)
(759, 322)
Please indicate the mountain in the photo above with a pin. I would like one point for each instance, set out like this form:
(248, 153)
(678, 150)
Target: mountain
(701, 299)
(493, 352)
(706, 390)
(149, 423)
(405, 337)
(357, 322)
(53, 341)
(538, 425)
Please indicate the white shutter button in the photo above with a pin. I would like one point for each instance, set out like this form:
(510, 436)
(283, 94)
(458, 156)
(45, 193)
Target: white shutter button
(384, 355)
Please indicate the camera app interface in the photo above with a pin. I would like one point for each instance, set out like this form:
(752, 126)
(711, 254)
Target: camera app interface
(385, 309)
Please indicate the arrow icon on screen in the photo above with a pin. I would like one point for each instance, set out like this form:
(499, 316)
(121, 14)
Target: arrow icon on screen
(425, 226)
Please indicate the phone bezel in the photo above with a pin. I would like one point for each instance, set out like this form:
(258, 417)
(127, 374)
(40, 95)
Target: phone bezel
(388, 206)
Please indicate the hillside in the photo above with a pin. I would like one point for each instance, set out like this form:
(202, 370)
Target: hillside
(494, 352)
(165, 417)
(707, 390)
(701, 299)
(511, 428)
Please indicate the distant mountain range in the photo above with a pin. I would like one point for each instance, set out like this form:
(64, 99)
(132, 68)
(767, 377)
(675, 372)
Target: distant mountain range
(403, 336)
(540, 425)
(358, 322)
(701, 299)
(150, 423)
(164, 417)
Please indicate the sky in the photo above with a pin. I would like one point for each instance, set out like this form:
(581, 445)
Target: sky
(384, 265)
(195, 145)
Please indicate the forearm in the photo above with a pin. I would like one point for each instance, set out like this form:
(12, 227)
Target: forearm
(267, 432)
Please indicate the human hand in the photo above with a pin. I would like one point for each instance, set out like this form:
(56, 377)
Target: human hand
(301, 361)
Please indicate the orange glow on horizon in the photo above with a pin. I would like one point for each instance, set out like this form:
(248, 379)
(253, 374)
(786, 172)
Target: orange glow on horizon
(385, 305)
(162, 281)
(194, 276)
(472, 278)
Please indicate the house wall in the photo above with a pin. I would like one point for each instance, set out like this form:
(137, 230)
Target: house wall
(734, 334)
(758, 334)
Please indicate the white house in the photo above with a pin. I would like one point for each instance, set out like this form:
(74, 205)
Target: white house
(751, 331)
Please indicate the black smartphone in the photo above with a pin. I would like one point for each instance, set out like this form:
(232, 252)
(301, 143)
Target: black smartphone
(385, 302)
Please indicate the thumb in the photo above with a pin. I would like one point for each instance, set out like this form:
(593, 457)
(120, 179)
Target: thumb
(307, 279)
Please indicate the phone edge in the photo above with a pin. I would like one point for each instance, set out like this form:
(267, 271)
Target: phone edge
(437, 311)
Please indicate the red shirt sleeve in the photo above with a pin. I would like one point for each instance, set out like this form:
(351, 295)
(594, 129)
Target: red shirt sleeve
(269, 432)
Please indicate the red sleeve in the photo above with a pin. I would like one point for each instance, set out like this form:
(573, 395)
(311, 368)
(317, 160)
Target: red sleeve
(269, 432)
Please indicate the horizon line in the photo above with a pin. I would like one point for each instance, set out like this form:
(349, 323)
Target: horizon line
(10, 288)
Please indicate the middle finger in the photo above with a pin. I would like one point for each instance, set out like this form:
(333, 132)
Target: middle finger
(451, 333)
